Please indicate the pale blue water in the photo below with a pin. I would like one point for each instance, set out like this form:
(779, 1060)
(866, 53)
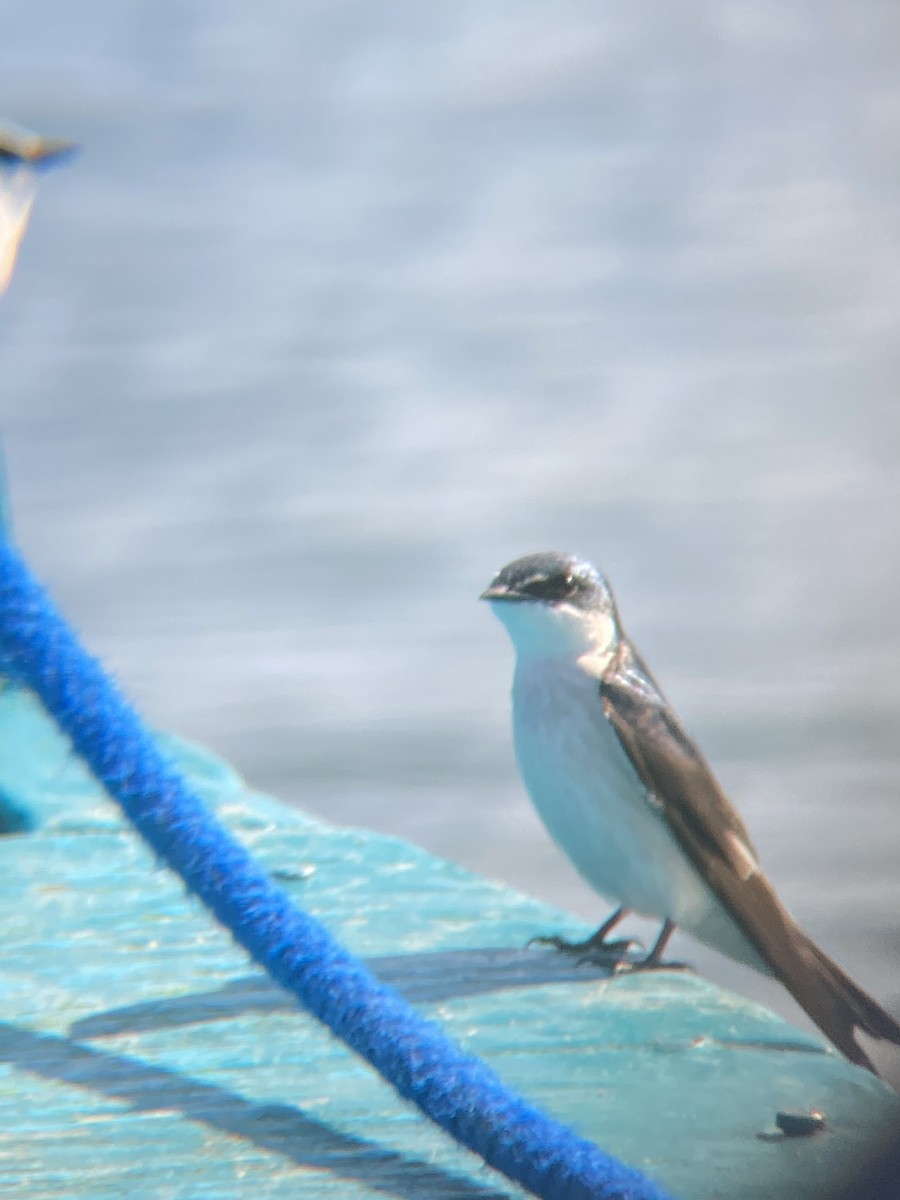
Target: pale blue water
(344, 306)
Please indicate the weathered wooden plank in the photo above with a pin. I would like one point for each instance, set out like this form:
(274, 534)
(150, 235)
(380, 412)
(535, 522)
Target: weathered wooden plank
(140, 1055)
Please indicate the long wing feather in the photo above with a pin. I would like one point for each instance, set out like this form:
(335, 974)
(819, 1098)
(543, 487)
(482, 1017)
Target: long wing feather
(706, 825)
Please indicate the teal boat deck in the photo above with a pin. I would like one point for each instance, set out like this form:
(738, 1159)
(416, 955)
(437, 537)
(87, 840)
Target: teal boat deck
(141, 1055)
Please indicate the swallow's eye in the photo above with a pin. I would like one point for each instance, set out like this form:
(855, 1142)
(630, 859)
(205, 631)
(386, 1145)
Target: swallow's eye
(551, 587)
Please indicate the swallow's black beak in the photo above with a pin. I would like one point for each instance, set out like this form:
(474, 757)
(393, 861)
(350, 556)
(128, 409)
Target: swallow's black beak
(500, 591)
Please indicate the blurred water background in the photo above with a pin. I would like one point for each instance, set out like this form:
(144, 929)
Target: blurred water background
(345, 305)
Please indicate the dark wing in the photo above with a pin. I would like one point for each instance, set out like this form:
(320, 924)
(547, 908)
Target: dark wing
(678, 778)
(681, 785)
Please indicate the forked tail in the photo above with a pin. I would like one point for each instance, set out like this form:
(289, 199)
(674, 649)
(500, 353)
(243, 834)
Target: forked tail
(837, 1005)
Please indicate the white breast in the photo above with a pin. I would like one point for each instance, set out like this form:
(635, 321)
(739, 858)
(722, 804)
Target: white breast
(596, 809)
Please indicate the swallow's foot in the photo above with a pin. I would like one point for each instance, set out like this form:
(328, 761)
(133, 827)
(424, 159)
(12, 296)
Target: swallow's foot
(592, 950)
(654, 960)
(595, 949)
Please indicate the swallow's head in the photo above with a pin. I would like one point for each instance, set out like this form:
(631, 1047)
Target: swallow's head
(553, 603)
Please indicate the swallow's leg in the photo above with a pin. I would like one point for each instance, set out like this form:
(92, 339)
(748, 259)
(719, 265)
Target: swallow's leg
(595, 948)
(653, 961)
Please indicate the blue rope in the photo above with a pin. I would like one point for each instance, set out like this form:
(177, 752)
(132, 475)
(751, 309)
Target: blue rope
(457, 1091)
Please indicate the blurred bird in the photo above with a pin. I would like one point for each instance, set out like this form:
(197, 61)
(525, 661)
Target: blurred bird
(630, 799)
(22, 157)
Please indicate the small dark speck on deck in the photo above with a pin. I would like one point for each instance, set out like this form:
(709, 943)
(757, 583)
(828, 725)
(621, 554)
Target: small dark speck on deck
(794, 1123)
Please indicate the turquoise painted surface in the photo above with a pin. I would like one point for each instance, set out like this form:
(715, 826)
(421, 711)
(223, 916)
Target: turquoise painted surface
(141, 1055)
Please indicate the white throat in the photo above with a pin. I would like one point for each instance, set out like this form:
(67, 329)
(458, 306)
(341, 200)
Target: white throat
(559, 631)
